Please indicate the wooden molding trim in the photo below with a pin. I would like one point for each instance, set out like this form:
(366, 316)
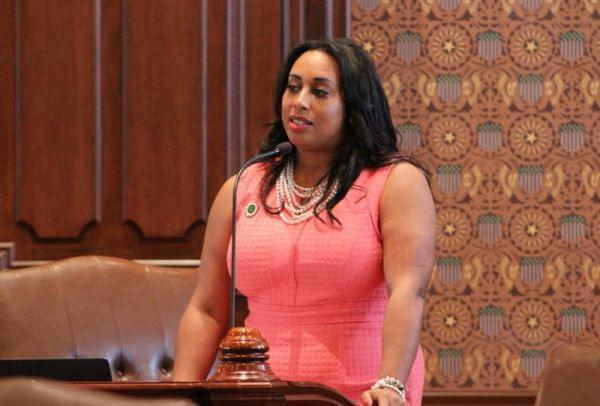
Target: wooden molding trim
(11, 263)
(433, 398)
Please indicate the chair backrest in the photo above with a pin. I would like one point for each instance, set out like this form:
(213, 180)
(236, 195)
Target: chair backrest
(96, 307)
(571, 377)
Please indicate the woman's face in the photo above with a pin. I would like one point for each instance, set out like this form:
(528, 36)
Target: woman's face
(312, 106)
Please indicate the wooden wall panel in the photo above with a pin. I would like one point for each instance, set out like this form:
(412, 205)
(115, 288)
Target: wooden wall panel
(342, 18)
(317, 18)
(57, 180)
(161, 127)
(314, 19)
(7, 97)
(235, 82)
(264, 54)
(161, 102)
(216, 110)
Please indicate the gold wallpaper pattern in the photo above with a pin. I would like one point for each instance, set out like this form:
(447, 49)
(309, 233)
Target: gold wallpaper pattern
(501, 99)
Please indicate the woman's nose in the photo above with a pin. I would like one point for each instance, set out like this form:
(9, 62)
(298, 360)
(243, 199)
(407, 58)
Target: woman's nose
(302, 100)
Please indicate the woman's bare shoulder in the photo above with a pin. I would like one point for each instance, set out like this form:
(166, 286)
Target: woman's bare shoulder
(405, 177)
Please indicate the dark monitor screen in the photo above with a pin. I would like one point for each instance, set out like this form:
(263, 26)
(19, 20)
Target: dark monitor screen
(72, 369)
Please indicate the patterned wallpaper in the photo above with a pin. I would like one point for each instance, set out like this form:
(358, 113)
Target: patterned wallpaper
(501, 98)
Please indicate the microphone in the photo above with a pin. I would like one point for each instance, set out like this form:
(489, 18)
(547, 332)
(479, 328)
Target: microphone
(282, 149)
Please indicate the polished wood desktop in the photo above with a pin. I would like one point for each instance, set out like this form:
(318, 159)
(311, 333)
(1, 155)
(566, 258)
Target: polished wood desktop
(227, 393)
(284, 392)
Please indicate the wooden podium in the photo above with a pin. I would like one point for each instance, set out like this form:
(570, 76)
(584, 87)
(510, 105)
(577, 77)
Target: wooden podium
(243, 377)
(241, 393)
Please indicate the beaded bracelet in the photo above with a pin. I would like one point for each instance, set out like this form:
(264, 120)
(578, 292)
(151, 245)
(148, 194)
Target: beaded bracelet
(392, 383)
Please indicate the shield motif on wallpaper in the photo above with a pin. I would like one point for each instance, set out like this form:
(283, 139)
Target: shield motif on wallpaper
(490, 227)
(410, 133)
(531, 270)
(531, 87)
(571, 45)
(531, 178)
(449, 178)
(531, 5)
(572, 136)
(449, 270)
(490, 320)
(448, 87)
(532, 362)
(408, 46)
(489, 45)
(451, 361)
(449, 5)
(572, 228)
(368, 5)
(489, 136)
(573, 320)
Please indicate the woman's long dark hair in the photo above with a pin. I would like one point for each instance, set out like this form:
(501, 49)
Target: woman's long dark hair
(369, 137)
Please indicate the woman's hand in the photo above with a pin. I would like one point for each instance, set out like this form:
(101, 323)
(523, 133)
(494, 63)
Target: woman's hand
(382, 397)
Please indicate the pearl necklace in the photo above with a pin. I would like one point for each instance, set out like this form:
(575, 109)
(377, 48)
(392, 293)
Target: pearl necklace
(289, 197)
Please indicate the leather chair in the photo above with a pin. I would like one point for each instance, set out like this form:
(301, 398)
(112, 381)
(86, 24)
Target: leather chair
(96, 307)
(571, 377)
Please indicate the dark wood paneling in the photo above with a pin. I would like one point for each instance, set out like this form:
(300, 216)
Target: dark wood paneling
(162, 102)
(56, 166)
(235, 82)
(326, 18)
(341, 18)
(314, 19)
(112, 113)
(293, 24)
(162, 128)
(216, 93)
(263, 59)
(7, 97)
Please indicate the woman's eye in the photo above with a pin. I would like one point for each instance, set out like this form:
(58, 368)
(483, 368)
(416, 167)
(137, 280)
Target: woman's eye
(292, 88)
(320, 92)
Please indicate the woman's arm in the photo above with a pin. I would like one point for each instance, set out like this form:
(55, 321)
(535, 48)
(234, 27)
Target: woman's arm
(204, 321)
(407, 221)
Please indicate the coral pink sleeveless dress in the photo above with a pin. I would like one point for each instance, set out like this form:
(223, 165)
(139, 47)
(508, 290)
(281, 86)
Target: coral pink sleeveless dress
(317, 292)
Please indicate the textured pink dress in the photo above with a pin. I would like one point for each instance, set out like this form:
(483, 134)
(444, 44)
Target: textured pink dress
(317, 292)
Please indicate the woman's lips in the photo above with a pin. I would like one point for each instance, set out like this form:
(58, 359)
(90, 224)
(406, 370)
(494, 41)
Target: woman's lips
(299, 123)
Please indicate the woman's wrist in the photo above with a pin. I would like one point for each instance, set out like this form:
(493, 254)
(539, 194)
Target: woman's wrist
(389, 382)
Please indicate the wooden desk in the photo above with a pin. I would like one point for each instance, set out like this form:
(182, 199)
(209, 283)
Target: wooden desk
(283, 392)
(247, 393)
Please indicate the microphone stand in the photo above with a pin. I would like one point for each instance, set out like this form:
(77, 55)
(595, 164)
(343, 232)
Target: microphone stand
(243, 350)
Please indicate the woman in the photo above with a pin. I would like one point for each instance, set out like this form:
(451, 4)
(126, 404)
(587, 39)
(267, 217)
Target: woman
(336, 260)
